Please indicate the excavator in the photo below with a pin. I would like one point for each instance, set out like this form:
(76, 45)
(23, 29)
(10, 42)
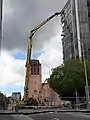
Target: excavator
(29, 50)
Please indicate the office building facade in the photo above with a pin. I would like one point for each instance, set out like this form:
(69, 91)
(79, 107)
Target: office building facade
(75, 18)
(16, 96)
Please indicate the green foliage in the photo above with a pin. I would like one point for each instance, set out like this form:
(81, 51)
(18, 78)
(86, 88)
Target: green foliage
(2, 99)
(1, 96)
(69, 77)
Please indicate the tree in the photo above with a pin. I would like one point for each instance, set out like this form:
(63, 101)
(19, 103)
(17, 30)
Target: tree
(3, 100)
(68, 78)
(1, 97)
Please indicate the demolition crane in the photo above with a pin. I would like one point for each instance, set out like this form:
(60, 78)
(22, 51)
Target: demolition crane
(29, 50)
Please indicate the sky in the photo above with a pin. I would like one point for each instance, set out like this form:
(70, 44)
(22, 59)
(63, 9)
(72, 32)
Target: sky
(19, 17)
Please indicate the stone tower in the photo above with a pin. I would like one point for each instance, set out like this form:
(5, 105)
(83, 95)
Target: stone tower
(35, 81)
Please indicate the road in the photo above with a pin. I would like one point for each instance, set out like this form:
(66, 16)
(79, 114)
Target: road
(60, 116)
(47, 116)
(14, 117)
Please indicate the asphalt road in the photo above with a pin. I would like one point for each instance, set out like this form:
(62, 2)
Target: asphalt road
(47, 116)
(14, 117)
(60, 116)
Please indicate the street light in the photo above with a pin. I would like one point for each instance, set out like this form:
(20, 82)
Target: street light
(51, 92)
(86, 79)
(48, 68)
(45, 79)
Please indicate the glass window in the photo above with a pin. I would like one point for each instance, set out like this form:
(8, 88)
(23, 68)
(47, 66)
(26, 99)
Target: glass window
(83, 16)
(35, 91)
(88, 3)
(34, 69)
(84, 28)
(31, 70)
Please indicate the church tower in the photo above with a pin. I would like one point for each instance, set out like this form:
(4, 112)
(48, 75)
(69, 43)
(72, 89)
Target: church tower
(35, 81)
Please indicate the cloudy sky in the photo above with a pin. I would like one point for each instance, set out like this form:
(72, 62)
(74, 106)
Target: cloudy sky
(19, 17)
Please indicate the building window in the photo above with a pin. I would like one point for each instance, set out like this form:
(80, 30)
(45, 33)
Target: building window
(31, 70)
(35, 91)
(34, 69)
(37, 70)
(88, 3)
(39, 91)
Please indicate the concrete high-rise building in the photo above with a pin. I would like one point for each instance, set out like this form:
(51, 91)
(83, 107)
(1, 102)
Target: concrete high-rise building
(75, 17)
(35, 81)
(16, 96)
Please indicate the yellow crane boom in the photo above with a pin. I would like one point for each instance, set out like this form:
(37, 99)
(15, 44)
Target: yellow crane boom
(32, 32)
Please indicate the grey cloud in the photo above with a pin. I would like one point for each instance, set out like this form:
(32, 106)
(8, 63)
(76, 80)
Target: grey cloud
(26, 15)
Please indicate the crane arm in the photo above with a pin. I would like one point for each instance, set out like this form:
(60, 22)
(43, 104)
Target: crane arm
(27, 69)
(33, 32)
(43, 23)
